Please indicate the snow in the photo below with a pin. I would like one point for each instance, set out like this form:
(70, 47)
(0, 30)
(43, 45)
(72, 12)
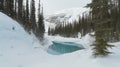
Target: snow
(67, 15)
(73, 12)
(18, 49)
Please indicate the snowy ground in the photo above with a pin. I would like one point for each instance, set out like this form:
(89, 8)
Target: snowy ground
(18, 49)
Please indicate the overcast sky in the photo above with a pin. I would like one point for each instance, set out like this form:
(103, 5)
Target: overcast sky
(52, 6)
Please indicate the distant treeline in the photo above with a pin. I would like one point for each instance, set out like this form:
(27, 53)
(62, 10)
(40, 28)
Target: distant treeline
(24, 12)
(71, 29)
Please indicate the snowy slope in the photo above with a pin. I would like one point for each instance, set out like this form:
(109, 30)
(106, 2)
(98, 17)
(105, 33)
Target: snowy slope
(18, 49)
(69, 15)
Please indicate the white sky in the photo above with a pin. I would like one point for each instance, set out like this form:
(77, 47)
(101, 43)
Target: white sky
(52, 6)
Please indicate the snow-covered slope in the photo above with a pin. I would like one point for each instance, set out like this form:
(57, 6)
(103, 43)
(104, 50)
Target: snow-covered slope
(18, 49)
(66, 15)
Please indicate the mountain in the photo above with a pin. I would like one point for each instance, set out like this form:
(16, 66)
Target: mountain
(67, 15)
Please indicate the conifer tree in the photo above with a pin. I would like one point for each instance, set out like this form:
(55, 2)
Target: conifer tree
(15, 8)
(27, 17)
(1, 5)
(41, 22)
(20, 9)
(33, 16)
(100, 19)
(27, 10)
(11, 7)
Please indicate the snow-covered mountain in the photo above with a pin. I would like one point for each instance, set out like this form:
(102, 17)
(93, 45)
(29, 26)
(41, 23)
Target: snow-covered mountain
(67, 15)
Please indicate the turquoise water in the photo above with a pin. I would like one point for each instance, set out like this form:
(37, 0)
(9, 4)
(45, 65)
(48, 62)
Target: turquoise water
(58, 48)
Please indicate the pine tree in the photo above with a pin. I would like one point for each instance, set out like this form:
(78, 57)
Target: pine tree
(27, 10)
(33, 16)
(15, 8)
(41, 28)
(20, 9)
(27, 18)
(1, 5)
(100, 19)
(11, 8)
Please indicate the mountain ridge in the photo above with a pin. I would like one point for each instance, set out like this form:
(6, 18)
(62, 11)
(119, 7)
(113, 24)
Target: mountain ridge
(66, 15)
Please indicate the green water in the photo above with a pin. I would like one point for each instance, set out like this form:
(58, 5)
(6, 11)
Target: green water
(58, 48)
